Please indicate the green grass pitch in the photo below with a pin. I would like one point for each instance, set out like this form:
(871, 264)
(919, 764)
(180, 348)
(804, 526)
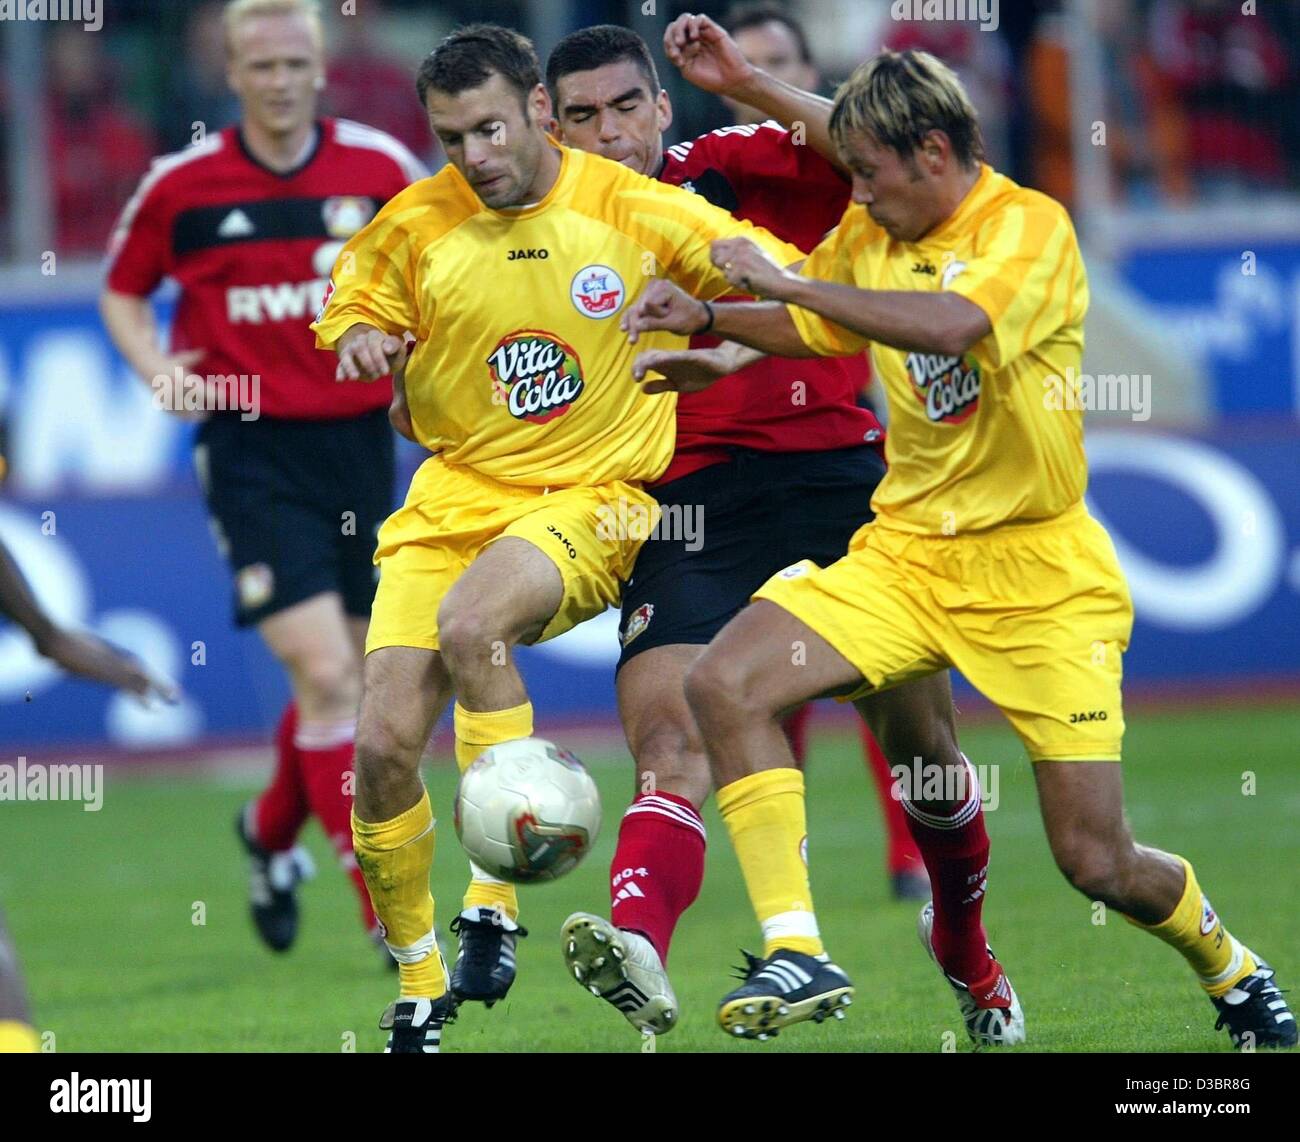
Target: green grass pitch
(102, 907)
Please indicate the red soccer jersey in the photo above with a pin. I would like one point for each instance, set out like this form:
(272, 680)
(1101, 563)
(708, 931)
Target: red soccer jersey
(758, 173)
(252, 251)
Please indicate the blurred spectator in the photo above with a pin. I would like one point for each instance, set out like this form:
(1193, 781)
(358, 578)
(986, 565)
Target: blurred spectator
(1230, 73)
(97, 149)
(365, 83)
(202, 94)
(772, 40)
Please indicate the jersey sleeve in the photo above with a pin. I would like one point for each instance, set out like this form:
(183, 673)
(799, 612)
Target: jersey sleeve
(681, 228)
(139, 251)
(831, 261)
(1029, 280)
(374, 279)
(771, 155)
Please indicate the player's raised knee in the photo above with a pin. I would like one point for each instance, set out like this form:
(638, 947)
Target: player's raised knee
(468, 633)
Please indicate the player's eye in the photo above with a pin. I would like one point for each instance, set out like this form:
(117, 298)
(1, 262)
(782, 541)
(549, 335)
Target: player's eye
(629, 107)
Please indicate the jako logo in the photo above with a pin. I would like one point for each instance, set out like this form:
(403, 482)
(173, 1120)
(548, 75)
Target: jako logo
(1088, 716)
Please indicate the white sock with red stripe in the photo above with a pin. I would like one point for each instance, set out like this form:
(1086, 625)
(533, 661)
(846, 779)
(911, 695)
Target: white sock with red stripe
(658, 866)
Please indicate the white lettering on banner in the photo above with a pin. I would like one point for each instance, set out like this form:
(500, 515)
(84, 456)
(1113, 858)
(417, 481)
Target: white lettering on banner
(74, 422)
(1245, 568)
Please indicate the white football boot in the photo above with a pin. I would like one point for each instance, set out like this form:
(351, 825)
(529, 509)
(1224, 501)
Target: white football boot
(992, 1014)
(621, 968)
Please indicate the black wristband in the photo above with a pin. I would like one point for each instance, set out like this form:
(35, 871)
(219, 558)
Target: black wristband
(712, 315)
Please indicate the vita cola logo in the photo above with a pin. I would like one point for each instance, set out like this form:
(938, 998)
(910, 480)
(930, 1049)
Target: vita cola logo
(539, 375)
(949, 387)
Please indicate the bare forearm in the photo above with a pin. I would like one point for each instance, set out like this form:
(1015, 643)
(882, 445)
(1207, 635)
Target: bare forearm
(791, 106)
(130, 323)
(19, 604)
(763, 325)
(913, 321)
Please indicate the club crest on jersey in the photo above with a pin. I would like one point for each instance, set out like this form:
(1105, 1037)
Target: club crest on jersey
(949, 387)
(535, 374)
(344, 215)
(597, 292)
(637, 621)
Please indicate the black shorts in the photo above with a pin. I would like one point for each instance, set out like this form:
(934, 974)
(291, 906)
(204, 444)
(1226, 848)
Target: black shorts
(296, 506)
(753, 517)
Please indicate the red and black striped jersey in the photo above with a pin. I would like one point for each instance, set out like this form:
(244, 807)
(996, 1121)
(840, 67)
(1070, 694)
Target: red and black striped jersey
(252, 250)
(762, 173)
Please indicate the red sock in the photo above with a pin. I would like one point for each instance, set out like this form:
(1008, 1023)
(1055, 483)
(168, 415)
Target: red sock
(901, 851)
(326, 751)
(956, 853)
(279, 813)
(658, 867)
(796, 732)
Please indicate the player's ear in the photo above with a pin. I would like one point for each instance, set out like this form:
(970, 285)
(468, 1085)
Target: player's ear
(664, 110)
(539, 103)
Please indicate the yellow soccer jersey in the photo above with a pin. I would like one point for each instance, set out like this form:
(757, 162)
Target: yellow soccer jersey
(521, 371)
(978, 441)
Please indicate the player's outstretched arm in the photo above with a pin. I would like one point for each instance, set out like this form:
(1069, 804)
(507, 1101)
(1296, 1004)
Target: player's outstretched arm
(366, 353)
(766, 326)
(692, 370)
(942, 322)
(711, 60)
(75, 652)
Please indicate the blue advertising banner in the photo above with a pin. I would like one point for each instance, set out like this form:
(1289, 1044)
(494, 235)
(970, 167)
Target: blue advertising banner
(1237, 306)
(1208, 531)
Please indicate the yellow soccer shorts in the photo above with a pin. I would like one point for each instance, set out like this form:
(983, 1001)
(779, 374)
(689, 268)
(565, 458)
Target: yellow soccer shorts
(451, 513)
(1036, 616)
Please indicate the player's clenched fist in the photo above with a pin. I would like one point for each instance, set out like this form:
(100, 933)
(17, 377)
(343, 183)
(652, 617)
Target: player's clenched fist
(367, 353)
(748, 268)
(663, 305)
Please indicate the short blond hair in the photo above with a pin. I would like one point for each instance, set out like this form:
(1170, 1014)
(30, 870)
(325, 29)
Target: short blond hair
(237, 11)
(897, 97)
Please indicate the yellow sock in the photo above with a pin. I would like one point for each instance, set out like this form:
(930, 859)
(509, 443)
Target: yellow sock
(18, 1038)
(1194, 928)
(396, 857)
(765, 816)
(474, 733)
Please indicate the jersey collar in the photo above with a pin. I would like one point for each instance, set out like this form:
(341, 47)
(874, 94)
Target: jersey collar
(312, 151)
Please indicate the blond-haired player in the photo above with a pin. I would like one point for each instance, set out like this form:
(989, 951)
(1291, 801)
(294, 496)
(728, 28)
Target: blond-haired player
(247, 221)
(971, 292)
(509, 268)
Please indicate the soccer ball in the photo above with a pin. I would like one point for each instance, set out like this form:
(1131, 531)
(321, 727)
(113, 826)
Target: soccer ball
(527, 810)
